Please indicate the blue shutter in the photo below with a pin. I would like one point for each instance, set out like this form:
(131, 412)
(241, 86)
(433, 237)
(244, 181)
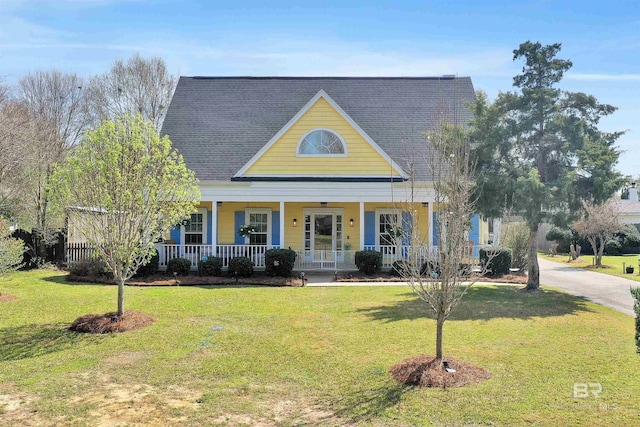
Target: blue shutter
(474, 233)
(174, 234)
(369, 228)
(209, 227)
(239, 222)
(434, 226)
(275, 228)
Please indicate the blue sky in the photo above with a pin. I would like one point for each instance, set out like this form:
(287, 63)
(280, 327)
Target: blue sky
(339, 38)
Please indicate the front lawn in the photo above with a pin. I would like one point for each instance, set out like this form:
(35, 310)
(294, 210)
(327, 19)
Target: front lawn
(308, 356)
(612, 264)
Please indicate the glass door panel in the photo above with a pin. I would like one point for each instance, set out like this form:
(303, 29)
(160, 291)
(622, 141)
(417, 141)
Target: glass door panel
(323, 237)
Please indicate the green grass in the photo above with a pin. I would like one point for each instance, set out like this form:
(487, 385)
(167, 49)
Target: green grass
(308, 356)
(612, 264)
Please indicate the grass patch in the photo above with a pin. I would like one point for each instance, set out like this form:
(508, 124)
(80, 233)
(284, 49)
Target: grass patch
(611, 264)
(307, 356)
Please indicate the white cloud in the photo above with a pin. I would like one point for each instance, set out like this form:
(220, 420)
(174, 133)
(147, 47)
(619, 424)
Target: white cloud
(16, 30)
(17, 5)
(338, 58)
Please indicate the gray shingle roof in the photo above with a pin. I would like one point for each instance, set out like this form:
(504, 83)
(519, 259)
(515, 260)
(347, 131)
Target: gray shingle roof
(219, 123)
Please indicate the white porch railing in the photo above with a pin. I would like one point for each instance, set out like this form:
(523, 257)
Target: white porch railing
(305, 260)
(194, 253)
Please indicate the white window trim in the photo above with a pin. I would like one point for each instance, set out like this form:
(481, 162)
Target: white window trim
(204, 213)
(249, 211)
(344, 144)
(385, 212)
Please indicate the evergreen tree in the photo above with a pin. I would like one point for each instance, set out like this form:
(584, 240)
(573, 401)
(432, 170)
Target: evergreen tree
(539, 151)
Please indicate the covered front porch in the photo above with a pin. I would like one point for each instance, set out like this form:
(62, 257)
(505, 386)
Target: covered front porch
(324, 221)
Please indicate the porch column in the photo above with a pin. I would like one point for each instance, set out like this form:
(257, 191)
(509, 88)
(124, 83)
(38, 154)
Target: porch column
(361, 224)
(282, 225)
(430, 234)
(214, 225)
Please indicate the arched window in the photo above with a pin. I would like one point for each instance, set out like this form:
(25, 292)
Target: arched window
(322, 142)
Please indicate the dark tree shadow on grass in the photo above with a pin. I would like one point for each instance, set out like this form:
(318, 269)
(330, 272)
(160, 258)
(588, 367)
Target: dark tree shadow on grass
(485, 303)
(24, 342)
(62, 280)
(366, 404)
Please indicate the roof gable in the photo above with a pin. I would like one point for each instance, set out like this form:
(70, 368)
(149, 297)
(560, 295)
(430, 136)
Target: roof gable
(219, 124)
(246, 170)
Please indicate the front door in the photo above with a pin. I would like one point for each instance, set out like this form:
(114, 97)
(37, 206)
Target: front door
(323, 237)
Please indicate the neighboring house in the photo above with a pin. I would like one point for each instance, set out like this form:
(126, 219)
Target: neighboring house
(319, 165)
(629, 209)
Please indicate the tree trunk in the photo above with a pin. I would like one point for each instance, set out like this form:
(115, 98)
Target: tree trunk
(439, 324)
(596, 250)
(533, 280)
(600, 252)
(120, 298)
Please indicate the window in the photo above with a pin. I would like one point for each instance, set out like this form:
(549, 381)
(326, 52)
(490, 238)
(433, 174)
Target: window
(322, 142)
(261, 219)
(388, 228)
(195, 229)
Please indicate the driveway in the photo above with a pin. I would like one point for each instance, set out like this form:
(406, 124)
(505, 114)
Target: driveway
(610, 291)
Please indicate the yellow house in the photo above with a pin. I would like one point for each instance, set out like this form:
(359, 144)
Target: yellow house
(324, 166)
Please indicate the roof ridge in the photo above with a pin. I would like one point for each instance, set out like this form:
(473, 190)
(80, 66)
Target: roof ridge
(443, 77)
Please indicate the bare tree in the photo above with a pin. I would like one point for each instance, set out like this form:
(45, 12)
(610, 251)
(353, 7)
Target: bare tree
(57, 110)
(15, 135)
(139, 86)
(598, 223)
(444, 278)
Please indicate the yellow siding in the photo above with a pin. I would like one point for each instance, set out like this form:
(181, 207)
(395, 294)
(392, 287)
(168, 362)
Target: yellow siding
(226, 219)
(294, 236)
(281, 158)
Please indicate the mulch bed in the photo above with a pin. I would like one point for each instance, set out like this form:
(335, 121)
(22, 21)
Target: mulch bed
(108, 323)
(427, 371)
(194, 280)
(7, 298)
(361, 277)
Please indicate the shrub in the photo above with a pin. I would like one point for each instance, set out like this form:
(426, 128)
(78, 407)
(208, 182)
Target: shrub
(497, 260)
(401, 268)
(629, 239)
(613, 246)
(562, 236)
(429, 268)
(151, 267)
(240, 266)
(93, 267)
(635, 292)
(368, 261)
(516, 238)
(279, 262)
(211, 266)
(80, 268)
(182, 266)
(556, 233)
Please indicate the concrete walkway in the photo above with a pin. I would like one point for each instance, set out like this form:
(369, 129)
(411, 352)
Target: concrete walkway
(610, 291)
